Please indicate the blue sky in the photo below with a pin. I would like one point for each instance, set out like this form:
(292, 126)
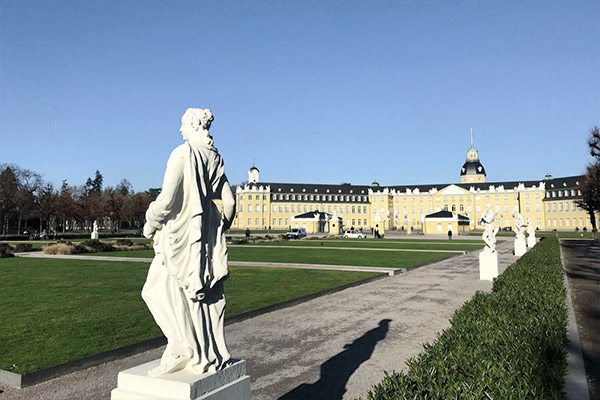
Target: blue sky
(313, 91)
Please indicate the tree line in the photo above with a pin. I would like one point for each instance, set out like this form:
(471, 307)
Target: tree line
(28, 203)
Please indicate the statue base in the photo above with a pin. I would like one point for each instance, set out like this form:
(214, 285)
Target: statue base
(531, 242)
(229, 383)
(94, 235)
(520, 247)
(488, 265)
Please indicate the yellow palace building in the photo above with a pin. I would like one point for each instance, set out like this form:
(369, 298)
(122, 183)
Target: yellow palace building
(549, 204)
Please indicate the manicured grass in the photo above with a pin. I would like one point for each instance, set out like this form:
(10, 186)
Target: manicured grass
(379, 244)
(567, 235)
(559, 234)
(53, 311)
(371, 258)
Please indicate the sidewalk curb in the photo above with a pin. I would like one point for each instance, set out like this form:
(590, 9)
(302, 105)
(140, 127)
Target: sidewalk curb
(576, 386)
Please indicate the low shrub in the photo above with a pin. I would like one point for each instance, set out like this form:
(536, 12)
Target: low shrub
(23, 247)
(123, 242)
(89, 246)
(509, 343)
(96, 246)
(62, 248)
(6, 250)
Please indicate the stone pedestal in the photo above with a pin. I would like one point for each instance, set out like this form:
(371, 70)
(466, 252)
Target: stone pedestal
(230, 383)
(520, 247)
(94, 235)
(530, 241)
(488, 265)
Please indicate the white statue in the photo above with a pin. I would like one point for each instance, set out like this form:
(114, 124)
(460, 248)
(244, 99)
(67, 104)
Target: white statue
(520, 246)
(95, 231)
(489, 232)
(488, 258)
(519, 225)
(184, 287)
(530, 233)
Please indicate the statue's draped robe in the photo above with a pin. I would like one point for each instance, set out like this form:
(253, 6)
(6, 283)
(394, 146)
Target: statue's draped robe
(190, 258)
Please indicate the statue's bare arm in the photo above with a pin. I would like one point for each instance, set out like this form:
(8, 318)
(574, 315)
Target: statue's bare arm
(228, 204)
(160, 207)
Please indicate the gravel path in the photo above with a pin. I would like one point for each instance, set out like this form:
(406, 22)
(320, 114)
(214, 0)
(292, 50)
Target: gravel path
(332, 347)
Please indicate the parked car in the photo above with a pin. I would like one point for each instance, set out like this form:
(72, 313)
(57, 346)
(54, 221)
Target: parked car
(295, 233)
(354, 234)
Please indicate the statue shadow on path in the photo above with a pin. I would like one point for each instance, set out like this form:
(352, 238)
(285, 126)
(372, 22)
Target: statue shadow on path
(336, 371)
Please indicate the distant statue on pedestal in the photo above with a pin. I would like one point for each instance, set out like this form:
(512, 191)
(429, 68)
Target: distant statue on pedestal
(488, 258)
(520, 245)
(530, 233)
(184, 287)
(95, 234)
(489, 232)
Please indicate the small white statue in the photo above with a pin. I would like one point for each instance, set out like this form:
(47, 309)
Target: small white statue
(184, 287)
(95, 231)
(519, 225)
(520, 245)
(530, 233)
(489, 232)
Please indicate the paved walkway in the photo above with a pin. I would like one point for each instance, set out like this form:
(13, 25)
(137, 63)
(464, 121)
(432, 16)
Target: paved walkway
(582, 264)
(332, 347)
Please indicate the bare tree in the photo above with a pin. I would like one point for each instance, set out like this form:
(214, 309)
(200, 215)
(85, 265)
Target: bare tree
(594, 142)
(590, 183)
(47, 207)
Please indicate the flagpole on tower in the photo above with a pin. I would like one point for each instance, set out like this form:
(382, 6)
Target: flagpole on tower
(471, 137)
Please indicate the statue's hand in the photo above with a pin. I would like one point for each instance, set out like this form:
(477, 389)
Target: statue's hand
(149, 231)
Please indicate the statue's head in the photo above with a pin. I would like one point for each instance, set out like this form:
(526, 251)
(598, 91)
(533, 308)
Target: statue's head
(195, 120)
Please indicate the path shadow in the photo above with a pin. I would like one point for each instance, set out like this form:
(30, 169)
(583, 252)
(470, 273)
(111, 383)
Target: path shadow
(336, 371)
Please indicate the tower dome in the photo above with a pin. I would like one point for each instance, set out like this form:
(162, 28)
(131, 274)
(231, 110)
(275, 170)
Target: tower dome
(253, 174)
(472, 170)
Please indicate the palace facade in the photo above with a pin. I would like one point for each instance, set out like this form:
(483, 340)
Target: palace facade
(549, 203)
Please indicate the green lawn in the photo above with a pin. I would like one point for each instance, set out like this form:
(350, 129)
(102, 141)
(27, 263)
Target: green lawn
(560, 234)
(371, 258)
(380, 244)
(52, 311)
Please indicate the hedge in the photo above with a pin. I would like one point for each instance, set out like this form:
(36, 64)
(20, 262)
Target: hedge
(507, 344)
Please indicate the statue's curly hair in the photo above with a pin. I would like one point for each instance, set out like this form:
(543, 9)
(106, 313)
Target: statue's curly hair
(198, 117)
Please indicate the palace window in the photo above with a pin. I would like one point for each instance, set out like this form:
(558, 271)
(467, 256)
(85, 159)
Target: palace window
(249, 197)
